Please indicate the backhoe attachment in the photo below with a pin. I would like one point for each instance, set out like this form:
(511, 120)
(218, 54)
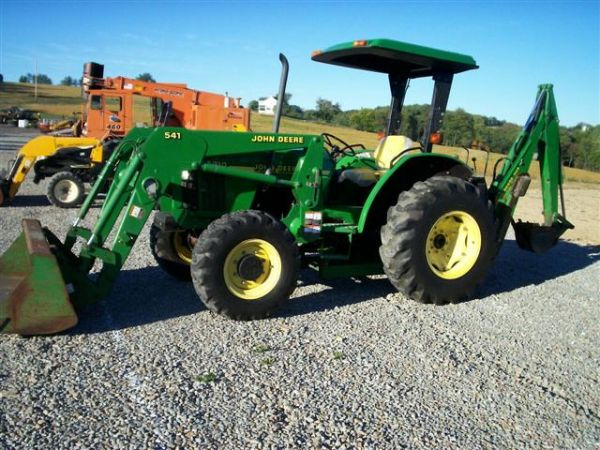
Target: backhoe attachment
(539, 139)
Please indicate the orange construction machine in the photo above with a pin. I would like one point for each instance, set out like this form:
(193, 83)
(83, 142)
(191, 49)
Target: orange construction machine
(116, 105)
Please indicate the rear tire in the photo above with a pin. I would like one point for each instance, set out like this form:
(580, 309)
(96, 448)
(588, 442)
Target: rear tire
(164, 246)
(438, 243)
(66, 190)
(245, 265)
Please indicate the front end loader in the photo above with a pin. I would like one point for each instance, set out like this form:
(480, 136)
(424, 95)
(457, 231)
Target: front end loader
(70, 161)
(238, 214)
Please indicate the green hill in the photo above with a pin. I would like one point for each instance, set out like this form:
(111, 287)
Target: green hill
(51, 101)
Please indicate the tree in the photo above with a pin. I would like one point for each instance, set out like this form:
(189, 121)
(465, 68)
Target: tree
(146, 77)
(493, 122)
(43, 79)
(31, 78)
(413, 121)
(68, 81)
(367, 119)
(1, 78)
(499, 139)
(286, 103)
(459, 128)
(568, 147)
(253, 105)
(326, 110)
(588, 147)
(295, 111)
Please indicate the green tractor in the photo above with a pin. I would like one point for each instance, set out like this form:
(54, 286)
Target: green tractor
(239, 214)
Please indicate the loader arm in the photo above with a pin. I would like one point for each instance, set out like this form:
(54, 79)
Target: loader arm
(36, 149)
(539, 139)
(39, 266)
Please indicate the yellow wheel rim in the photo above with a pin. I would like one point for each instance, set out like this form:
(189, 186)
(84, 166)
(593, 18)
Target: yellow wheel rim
(182, 248)
(266, 264)
(453, 245)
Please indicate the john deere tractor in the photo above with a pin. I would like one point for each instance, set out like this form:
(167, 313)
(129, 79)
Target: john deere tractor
(238, 214)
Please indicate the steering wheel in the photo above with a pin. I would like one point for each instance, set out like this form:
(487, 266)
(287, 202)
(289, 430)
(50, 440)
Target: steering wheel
(335, 150)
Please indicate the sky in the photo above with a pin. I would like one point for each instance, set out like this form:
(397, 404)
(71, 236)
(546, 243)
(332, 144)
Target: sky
(233, 47)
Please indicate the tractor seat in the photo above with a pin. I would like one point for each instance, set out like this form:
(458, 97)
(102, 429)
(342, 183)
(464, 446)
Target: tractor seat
(385, 153)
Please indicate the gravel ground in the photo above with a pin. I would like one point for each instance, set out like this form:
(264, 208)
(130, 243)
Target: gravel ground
(348, 364)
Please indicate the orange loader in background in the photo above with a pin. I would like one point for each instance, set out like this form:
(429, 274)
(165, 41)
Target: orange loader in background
(113, 107)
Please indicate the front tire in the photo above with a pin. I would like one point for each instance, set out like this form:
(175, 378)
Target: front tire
(172, 252)
(438, 243)
(245, 265)
(66, 190)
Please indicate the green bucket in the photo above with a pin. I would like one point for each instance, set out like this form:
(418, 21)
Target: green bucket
(33, 296)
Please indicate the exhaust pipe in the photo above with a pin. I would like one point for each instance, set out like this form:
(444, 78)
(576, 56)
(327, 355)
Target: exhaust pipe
(285, 67)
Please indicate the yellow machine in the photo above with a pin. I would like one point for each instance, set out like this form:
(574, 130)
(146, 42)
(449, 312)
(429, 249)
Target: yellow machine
(77, 157)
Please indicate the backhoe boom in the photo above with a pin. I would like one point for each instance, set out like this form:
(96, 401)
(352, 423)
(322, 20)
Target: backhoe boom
(539, 139)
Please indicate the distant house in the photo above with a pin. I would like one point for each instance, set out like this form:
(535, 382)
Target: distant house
(266, 105)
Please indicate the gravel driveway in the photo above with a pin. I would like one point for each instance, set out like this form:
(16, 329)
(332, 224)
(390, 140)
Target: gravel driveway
(348, 364)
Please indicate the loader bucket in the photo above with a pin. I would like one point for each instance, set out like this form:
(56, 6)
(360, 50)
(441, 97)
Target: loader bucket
(538, 238)
(33, 296)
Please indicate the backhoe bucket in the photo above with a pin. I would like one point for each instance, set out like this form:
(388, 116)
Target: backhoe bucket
(33, 296)
(538, 238)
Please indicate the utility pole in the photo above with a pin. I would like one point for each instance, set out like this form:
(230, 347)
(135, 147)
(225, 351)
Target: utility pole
(35, 77)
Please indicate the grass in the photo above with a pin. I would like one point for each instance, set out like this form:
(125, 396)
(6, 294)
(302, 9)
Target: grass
(58, 101)
(267, 361)
(338, 355)
(52, 101)
(206, 378)
(63, 101)
(260, 348)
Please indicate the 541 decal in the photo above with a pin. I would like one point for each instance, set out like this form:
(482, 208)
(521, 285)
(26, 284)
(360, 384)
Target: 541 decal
(172, 135)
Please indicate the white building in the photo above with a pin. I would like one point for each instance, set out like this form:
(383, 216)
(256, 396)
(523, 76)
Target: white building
(267, 105)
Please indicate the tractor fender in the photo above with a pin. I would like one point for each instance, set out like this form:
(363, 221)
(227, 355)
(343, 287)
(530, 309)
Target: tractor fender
(406, 172)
